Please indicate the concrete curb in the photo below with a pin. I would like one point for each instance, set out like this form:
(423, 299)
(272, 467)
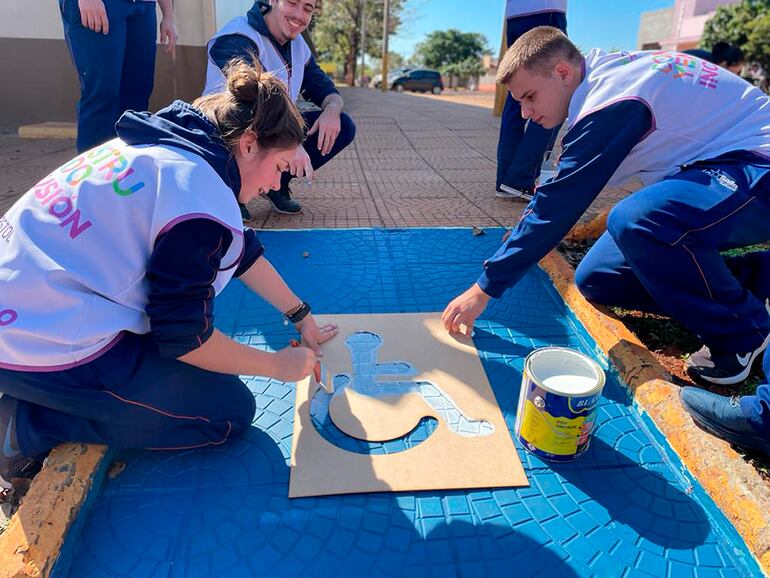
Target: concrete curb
(734, 485)
(49, 130)
(33, 540)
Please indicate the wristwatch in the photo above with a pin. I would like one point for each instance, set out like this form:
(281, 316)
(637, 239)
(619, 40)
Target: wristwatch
(298, 313)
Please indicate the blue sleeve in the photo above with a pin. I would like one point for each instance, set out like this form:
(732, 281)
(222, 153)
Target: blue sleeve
(225, 48)
(316, 84)
(253, 250)
(592, 151)
(182, 267)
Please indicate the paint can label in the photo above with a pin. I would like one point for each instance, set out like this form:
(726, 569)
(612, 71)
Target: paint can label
(552, 426)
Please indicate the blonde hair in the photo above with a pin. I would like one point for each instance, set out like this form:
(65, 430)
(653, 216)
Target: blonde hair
(537, 50)
(253, 100)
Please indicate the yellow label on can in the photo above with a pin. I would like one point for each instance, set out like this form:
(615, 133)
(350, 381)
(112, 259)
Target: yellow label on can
(555, 435)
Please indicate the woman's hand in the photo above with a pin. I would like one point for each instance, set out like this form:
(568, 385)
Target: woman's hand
(293, 363)
(313, 336)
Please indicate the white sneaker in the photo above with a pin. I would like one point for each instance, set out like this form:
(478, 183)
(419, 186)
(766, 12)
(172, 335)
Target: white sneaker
(506, 192)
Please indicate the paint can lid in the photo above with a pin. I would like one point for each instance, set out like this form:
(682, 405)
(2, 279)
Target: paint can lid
(564, 371)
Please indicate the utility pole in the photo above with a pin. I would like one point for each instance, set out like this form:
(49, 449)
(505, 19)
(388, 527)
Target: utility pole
(363, 40)
(385, 28)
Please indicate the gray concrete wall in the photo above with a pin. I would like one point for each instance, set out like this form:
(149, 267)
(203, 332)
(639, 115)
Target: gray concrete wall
(40, 82)
(655, 26)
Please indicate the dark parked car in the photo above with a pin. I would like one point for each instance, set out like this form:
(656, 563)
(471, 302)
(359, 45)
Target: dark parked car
(419, 80)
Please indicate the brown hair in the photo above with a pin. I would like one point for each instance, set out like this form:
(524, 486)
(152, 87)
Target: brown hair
(538, 51)
(254, 100)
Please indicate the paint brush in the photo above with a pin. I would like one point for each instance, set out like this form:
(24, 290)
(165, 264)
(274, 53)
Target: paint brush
(320, 373)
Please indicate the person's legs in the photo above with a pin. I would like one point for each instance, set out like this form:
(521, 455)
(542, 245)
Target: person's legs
(743, 421)
(128, 397)
(671, 233)
(138, 73)
(281, 199)
(522, 144)
(98, 59)
(605, 277)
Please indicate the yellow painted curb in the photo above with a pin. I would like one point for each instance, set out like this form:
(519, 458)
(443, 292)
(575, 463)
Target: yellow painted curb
(35, 535)
(56, 130)
(734, 485)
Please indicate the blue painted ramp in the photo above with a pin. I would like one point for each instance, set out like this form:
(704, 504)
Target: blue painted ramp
(626, 509)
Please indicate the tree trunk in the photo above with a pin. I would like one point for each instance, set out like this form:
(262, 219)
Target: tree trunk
(350, 67)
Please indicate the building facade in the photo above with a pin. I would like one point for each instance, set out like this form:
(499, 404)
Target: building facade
(41, 84)
(679, 27)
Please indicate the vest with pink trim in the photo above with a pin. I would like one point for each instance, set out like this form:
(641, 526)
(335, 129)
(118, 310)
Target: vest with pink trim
(699, 110)
(74, 249)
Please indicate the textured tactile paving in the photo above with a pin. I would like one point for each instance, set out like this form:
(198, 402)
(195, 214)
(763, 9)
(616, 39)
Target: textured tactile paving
(627, 508)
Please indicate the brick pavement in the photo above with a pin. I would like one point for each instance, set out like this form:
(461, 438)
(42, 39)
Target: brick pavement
(416, 162)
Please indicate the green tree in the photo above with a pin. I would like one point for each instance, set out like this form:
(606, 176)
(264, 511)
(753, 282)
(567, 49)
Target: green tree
(444, 47)
(337, 31)
(745, 25)
(758, 41)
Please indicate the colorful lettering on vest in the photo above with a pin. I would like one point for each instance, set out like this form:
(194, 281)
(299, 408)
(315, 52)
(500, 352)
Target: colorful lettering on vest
(7, 316)
(628, 57)
(128, 191)
(709, 75)
(679, 65)
(61, 204)
(108, 162)
(6, 230)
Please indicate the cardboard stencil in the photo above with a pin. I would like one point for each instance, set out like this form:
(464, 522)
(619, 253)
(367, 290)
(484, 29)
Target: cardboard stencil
(390, 372)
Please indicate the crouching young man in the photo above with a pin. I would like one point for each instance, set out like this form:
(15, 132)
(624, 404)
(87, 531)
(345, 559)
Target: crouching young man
(698, 137)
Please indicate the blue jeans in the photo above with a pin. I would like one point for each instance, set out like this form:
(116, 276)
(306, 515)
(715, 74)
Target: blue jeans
(344, 138)
(128, 397)
(522, 145)
(661, 252)
(116, 70)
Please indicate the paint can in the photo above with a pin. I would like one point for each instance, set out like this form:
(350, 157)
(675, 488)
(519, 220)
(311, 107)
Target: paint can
(560, 389)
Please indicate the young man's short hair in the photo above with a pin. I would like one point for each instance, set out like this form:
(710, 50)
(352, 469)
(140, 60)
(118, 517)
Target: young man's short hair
(538, 51)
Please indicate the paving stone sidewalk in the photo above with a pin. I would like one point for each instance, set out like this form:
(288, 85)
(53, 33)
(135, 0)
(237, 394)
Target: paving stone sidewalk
(415, 162)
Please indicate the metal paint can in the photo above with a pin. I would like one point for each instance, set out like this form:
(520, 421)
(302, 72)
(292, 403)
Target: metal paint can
(560, 389)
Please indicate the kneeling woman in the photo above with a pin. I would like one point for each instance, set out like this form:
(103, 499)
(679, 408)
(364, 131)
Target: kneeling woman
(108, 271)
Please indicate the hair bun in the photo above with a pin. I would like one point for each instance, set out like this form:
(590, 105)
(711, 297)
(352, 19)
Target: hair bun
(243, 82)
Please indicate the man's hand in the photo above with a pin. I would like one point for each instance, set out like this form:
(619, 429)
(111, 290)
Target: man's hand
(93, 15)
(300, 165)
(327, 125)
(168, 35)
(314, 336)
(460, 315)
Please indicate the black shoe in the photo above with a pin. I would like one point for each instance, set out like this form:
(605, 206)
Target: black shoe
(721, 416)
(15, 469)
(722, 368)
(506, 192)
(283, 203)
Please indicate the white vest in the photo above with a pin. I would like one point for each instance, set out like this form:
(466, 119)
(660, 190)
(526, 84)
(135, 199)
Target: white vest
(699, 110)
(516, 8)
(74, 249)
(271, 60)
